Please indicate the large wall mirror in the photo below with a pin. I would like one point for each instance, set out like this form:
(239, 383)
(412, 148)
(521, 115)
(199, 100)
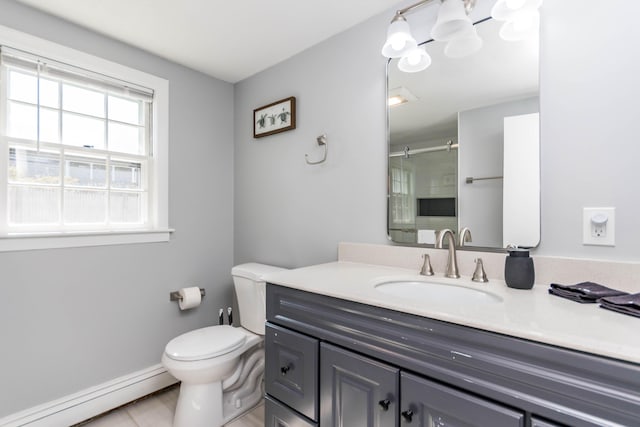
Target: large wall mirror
(464, 145)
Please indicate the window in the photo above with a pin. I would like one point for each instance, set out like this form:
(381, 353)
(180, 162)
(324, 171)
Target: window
(81, 152)
(402, 195)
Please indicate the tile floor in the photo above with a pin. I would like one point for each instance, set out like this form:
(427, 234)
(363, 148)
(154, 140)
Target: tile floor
(157, 411)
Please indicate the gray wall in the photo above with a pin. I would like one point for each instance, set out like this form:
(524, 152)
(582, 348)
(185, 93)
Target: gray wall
(289, 213)
(292, 214)
(74, 318)
(590, 127)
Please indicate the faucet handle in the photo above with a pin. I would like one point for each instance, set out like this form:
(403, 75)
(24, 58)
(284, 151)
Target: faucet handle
(479, 275)
(426, 269)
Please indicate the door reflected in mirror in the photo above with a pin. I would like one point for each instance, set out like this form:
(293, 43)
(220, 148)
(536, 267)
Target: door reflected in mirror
(464, 145)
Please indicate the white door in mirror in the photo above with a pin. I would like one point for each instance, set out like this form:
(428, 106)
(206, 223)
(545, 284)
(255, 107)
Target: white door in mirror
(599, 226)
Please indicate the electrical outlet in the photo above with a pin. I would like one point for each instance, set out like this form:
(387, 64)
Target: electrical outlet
(599, 226)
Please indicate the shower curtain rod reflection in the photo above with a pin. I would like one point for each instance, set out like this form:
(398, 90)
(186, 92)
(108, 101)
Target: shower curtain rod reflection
(408, 152)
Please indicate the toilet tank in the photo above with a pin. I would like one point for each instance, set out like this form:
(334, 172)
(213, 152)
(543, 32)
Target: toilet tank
(248, 280)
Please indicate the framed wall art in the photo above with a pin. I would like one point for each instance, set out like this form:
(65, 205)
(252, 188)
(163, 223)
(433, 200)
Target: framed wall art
(279, 116)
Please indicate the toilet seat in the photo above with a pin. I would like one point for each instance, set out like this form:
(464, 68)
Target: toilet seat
(205, 343)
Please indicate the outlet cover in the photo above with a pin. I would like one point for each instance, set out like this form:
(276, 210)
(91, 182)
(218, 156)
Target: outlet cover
(599, 226)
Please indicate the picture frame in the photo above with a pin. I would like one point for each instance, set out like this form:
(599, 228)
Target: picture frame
(279, 116)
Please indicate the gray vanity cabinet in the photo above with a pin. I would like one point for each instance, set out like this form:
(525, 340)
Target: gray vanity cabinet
(429, 404)
(337, 363)
(356, 391)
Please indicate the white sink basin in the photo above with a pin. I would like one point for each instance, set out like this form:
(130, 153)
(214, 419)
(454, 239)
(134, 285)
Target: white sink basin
(434, 292)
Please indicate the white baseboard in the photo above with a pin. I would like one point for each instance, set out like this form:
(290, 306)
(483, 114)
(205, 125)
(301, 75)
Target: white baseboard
(93, 401)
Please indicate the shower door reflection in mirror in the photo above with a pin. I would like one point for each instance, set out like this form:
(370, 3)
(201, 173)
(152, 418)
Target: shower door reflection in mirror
(464, 145)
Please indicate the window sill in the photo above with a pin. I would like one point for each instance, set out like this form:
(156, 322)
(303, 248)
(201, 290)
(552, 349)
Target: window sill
(36, 241)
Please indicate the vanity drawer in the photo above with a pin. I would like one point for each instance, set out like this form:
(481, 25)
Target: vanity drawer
(291, 371)
(536, 422)
(427, 403)
(278, 415)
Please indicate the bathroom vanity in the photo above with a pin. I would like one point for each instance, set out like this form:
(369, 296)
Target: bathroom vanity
(342, 352)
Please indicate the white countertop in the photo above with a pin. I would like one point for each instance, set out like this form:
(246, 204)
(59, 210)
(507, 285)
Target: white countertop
(530, 314)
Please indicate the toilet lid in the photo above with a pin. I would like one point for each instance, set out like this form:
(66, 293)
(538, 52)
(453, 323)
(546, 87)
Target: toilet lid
(205, 343)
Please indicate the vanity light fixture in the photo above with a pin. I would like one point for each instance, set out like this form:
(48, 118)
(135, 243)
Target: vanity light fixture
(452, 26)
(399, 38)
(521, 18)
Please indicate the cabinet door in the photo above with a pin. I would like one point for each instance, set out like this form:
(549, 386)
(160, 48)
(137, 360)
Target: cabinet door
(291, 369)
(429, 404)
(278, 415)
(356, 391)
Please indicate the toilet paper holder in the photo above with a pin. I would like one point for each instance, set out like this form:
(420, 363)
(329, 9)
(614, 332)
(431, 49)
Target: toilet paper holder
(175, 295)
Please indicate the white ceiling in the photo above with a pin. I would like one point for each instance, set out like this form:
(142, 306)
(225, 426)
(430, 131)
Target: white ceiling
(230, 40)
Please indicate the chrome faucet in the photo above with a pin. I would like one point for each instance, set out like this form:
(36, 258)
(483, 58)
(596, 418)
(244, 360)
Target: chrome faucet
(452, 262)
(464, 236)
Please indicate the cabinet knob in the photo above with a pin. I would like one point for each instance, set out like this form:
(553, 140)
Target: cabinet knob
(408, 415)
(384, 404)
(285, 369)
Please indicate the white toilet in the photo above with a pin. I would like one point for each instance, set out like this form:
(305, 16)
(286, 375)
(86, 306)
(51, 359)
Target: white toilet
(222, 367)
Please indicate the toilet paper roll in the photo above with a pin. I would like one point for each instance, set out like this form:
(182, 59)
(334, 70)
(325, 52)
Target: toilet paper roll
(190, 297)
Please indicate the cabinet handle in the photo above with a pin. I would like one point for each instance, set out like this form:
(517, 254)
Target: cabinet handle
(408, 415)
(384, 404)
(285, 369)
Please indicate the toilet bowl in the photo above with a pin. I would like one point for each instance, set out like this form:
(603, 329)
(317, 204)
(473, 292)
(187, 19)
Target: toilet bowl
(203, 368)
(221, 368)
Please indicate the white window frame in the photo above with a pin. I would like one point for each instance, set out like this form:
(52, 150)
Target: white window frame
(159, 230)
(402, 202)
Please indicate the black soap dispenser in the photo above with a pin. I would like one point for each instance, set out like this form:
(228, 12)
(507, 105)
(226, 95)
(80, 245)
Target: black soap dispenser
(518, 269)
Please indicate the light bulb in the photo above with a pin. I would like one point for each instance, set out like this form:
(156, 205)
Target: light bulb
(413, 58)
(417, 59)
(397, 43)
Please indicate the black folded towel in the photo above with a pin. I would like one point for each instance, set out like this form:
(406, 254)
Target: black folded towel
(585, 292)
(626, 304)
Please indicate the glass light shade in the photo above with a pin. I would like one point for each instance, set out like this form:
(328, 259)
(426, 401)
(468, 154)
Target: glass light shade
(399, 39)
(452, 21)
(415, 60)
(464, 46)
(504, 10)
(515, 4)
(523, 25)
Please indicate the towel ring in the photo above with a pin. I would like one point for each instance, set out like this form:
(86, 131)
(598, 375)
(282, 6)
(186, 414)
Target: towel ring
(322, 142)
